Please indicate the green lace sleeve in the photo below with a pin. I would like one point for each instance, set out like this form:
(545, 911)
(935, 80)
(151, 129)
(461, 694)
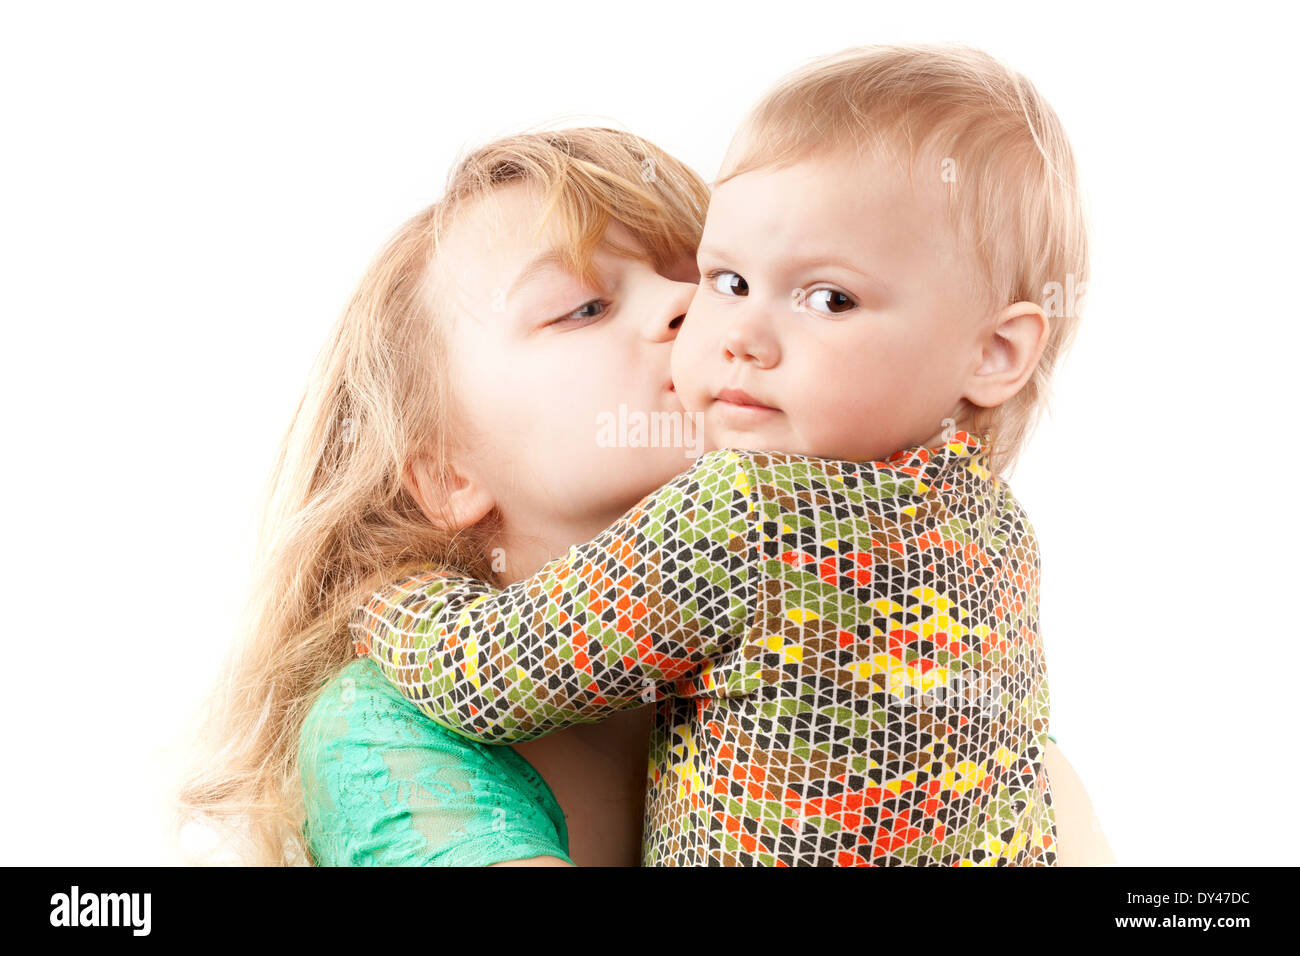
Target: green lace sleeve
(385, 787)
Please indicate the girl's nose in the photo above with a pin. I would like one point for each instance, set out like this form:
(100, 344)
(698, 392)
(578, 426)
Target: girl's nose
(667, 318)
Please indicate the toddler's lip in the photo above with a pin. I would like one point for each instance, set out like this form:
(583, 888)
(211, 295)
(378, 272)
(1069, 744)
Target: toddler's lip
(738, 396)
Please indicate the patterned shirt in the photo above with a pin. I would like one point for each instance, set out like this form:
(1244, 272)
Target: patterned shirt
(844, 658)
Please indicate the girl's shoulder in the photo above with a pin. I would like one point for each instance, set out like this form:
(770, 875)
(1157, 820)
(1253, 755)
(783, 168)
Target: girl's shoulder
(384, 785)
(340, 690)
(359, 707)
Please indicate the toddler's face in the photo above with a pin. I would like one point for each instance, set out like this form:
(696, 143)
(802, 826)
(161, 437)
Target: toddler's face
(838, 299)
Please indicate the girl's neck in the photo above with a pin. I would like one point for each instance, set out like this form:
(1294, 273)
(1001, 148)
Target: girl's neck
(518, 552)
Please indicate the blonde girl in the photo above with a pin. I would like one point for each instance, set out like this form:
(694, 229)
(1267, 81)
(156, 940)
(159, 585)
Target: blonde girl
(340, 519)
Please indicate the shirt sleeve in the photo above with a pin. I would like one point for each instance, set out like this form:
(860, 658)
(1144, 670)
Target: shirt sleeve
(667, 587)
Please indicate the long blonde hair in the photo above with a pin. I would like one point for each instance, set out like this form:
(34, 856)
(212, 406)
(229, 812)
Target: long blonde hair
(337, 519)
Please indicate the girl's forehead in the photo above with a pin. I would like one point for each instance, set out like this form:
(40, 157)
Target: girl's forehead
(507, 213)
(491, 235)
(503, 234)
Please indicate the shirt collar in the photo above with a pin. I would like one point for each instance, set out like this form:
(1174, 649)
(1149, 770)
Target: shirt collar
(929, 462)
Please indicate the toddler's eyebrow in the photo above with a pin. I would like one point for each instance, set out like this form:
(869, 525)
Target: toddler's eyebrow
(810, 259)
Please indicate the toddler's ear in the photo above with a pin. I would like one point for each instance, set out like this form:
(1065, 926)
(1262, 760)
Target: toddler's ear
(1010, 351)
(452, 501)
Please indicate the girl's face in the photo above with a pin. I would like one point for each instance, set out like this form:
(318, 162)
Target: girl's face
(541, 363)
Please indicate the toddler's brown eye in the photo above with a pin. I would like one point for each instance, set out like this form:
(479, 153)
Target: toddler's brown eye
(730, 283)
(834, 301)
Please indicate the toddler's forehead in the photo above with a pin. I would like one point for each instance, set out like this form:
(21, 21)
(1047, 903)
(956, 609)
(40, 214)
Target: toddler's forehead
(881, 189)
(922, 186)
(889, 205)
(915, 181)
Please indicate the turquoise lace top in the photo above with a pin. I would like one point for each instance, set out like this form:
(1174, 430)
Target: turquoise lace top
(385, 786)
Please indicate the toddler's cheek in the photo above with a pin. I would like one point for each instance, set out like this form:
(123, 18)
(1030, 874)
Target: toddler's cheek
(689, 375)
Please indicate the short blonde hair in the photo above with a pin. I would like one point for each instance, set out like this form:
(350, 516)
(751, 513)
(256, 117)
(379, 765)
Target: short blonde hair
(1013, 186)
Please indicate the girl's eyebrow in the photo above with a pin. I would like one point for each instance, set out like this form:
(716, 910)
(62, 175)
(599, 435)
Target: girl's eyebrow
(550, 259)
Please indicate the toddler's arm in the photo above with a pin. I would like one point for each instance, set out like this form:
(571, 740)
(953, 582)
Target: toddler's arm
(668, 586)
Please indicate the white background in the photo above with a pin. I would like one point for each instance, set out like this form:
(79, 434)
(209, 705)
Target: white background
(190, 193)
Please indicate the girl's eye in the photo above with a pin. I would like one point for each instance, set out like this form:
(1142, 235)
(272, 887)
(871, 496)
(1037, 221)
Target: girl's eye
(728, 283)
(582, 312)
(834, 300)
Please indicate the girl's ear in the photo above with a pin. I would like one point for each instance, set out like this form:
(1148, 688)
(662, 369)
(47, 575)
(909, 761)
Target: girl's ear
(452, 503)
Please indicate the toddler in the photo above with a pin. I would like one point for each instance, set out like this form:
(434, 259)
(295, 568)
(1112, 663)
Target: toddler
(836, 610)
